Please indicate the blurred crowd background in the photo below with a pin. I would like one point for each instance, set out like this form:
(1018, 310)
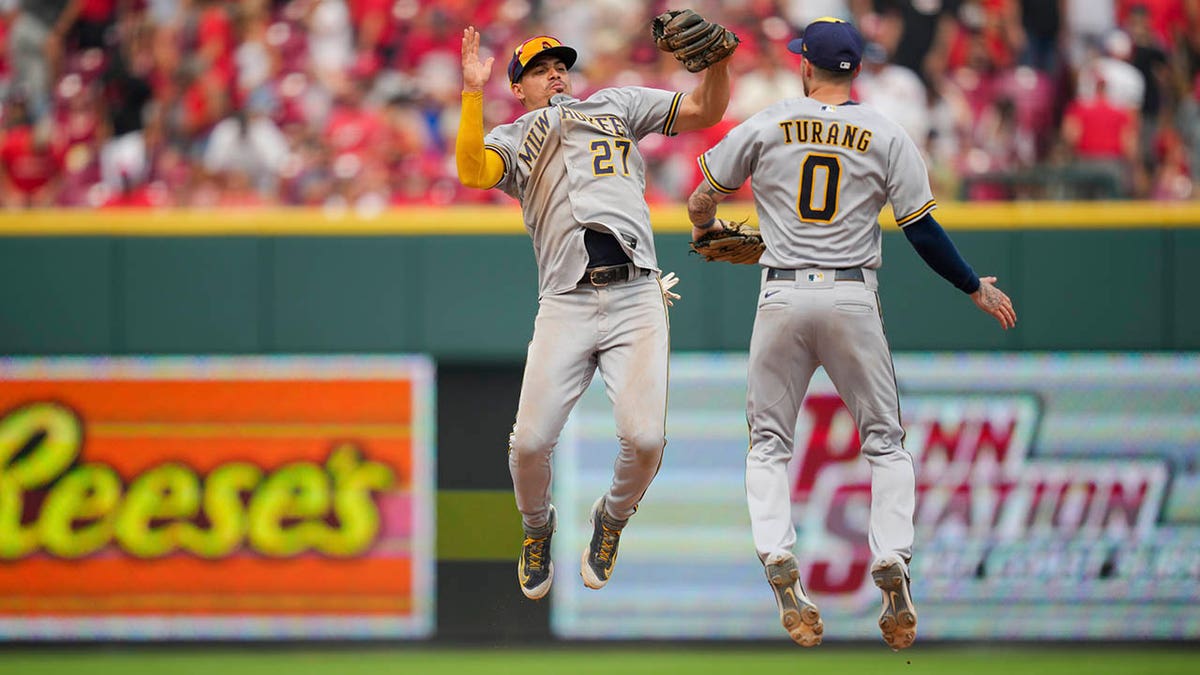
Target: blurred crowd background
(354, 104)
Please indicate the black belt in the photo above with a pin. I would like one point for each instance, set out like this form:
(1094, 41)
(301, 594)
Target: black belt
(603, 276)
(845, 274)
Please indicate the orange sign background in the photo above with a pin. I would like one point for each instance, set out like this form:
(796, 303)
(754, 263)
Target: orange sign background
(137, 418)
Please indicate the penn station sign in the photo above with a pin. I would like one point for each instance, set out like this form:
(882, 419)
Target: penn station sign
(236, 497)
(1056, 498)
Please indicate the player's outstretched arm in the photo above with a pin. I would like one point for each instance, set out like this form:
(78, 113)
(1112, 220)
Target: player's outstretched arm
(993, 301)
(705, 105)
(477, 167)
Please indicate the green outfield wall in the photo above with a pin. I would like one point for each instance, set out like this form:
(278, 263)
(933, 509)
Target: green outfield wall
(1086, 276)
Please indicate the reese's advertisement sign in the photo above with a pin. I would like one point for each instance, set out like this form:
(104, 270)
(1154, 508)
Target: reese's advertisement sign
(234, 497)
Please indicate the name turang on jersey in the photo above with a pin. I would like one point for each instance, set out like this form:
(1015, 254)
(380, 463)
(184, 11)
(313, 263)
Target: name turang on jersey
(826, 133)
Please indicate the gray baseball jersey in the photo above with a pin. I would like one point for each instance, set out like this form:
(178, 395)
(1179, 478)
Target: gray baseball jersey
(820, 175)
(830, 169)
(578, 163)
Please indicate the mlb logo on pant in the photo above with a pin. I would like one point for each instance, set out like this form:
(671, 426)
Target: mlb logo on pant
(816, 277)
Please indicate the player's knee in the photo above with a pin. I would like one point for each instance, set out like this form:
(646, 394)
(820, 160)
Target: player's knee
(526, 447)
(882, 439)
(647, 448)
(768, 447)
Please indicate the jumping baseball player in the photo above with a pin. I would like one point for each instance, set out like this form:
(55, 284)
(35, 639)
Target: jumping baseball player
(823, 167)
(577, 171)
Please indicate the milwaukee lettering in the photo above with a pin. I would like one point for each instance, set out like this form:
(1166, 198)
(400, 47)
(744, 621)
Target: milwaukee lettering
(51, 503)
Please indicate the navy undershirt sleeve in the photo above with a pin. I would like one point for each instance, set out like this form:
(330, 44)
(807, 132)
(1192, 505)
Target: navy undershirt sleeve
(935, 248)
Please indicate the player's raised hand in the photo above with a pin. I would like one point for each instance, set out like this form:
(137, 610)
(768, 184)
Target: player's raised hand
(993, 301)
(475, 74)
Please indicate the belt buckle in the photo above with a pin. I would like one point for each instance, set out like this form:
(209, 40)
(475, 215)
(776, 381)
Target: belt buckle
(600, 276)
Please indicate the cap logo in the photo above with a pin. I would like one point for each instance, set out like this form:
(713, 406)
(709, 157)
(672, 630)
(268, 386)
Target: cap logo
(844, 65)
(545, 45)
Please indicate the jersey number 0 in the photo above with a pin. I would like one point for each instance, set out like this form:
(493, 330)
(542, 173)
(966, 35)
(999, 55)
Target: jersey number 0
(820, 181)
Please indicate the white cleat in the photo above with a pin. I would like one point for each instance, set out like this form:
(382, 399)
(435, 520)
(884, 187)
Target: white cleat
(799, 616)
(898, 619)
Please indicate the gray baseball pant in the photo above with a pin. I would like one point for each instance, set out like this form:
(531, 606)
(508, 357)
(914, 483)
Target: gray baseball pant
(622, 330)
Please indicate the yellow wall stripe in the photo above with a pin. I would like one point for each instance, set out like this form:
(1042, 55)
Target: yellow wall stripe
(506, 219)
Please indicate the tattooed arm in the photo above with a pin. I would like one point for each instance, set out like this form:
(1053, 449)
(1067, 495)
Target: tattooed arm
(993, 301)
(702, 209)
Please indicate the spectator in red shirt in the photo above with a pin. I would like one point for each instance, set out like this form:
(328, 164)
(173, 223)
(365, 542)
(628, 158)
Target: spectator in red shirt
(31, 160)
(1102, 138)
(205, 101)
(995, 25)
(1172, 179)
(1168, 18)
(374, 27)
(215, 39)
(354, 127)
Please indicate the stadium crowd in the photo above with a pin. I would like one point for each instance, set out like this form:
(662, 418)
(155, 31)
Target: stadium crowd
(353, 104)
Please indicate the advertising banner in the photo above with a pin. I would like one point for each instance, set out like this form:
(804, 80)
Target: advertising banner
(1058, 497)
(191, 498)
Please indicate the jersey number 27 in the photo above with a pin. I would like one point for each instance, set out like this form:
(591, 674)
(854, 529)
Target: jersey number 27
(602, 156)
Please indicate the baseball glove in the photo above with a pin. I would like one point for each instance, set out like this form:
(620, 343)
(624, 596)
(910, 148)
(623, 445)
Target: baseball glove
(735, 243)
(695, 42)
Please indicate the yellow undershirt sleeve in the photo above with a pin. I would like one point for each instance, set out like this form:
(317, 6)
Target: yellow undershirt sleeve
(478, 167)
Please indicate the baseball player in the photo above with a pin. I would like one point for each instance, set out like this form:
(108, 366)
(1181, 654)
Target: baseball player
(822, 168)
(576, 169)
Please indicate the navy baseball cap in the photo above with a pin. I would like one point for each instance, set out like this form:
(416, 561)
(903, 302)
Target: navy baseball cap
(831, 44)
(541, 45)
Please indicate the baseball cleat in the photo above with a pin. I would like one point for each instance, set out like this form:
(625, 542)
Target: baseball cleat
(601, 553)
(535, 570)
(799, 616)
(898, 619)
